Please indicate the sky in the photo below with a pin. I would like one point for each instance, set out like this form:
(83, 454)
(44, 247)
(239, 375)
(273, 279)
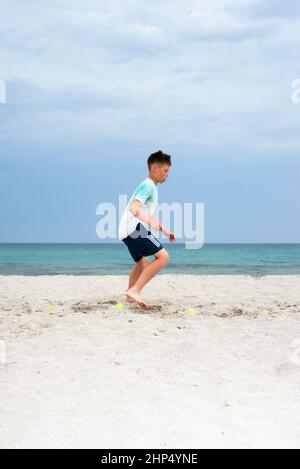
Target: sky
(94, 87)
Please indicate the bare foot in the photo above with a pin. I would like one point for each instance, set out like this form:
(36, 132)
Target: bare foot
(133, 295)
(128, 299)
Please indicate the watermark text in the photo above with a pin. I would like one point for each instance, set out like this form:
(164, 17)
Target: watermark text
(187, 220)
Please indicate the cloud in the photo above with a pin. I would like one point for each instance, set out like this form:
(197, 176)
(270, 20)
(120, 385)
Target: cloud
(274, 9)
(193, 72)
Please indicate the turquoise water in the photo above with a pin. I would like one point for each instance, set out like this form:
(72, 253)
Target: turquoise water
(114, 259)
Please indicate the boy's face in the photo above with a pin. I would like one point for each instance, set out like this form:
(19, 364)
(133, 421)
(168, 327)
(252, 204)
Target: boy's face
(160, 172)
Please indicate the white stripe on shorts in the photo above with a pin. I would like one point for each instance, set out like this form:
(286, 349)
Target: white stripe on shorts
(154, 241)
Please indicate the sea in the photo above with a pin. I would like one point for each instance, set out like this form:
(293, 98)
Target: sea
(114, 259)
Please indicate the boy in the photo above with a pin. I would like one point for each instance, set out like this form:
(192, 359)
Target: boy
(133, 229)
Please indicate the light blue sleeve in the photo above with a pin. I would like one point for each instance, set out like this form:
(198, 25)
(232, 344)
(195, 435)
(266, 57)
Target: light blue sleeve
(144, 192)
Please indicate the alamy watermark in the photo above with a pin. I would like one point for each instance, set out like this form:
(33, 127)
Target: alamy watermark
(3, 353)
(2, 91)
(187, 220)
(296, 91)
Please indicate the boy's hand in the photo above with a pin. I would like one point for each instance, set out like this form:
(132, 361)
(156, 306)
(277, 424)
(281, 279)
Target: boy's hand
(172, 237)
(168, 233)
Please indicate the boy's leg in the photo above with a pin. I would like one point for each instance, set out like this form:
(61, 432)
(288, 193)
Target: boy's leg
(162, 258)
(137, 270)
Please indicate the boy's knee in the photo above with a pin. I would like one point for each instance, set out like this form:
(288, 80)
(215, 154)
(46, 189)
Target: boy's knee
(165, 257)
(143, 263)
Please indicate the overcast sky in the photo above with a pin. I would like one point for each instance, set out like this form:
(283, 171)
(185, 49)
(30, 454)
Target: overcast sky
(94, 87)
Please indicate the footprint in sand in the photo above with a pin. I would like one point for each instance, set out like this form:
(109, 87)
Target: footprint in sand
(286, 369)
(155, 308)
(232, 313)
(82, 308)
(86, 308)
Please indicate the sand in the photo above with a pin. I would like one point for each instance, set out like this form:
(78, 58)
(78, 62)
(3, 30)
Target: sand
(85, 374)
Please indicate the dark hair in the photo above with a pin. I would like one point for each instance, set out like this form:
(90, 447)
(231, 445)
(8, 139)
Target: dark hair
(159, 158)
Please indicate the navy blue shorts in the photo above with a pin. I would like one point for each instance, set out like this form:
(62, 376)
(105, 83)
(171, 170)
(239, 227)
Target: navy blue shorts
(141, 243)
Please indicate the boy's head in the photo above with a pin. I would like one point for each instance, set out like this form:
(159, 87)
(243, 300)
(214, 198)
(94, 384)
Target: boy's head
(159, 166)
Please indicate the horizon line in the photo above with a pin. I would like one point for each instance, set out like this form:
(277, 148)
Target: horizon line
(116, 242)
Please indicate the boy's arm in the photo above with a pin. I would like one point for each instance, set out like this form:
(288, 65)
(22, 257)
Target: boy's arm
(161, 228)
(164, 230)
(153, 221)
(138, 212)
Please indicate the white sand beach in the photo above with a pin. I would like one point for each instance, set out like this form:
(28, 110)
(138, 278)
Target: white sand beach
(85, 374)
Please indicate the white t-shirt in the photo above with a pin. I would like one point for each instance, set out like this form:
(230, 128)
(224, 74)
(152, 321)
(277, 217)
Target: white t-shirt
(147, 193)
